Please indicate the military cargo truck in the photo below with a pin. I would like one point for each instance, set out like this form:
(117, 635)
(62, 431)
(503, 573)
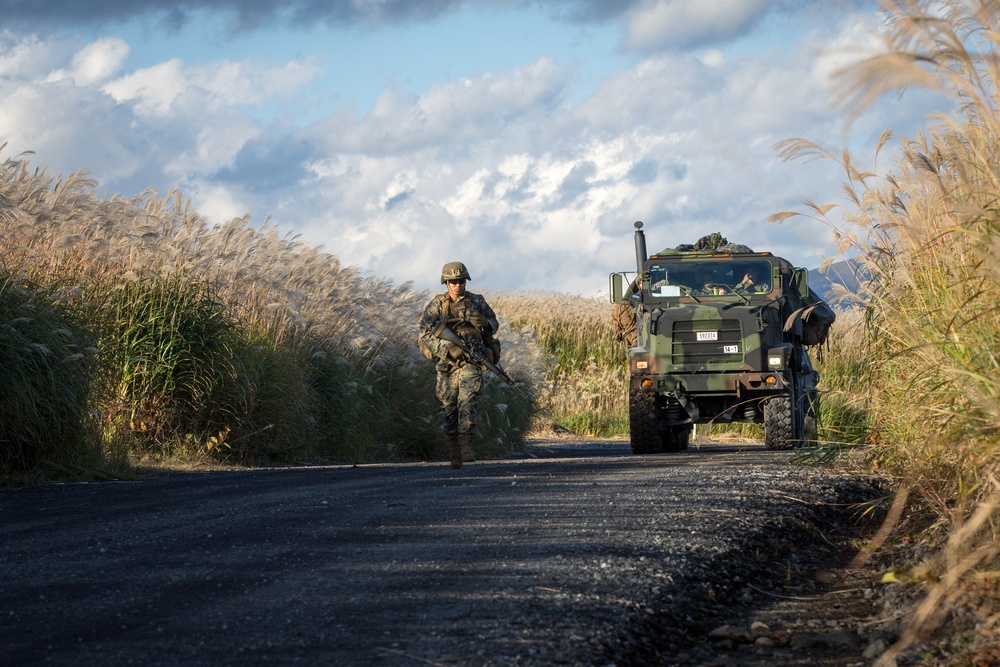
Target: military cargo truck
(720, 336)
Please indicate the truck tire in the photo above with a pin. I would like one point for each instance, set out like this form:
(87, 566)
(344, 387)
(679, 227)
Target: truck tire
(675, 439)
(783, 425)
(643, 426)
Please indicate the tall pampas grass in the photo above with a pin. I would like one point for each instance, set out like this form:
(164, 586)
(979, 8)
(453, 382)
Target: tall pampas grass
(586, 378)
(234, 341)
(46, 358)
(926, 233)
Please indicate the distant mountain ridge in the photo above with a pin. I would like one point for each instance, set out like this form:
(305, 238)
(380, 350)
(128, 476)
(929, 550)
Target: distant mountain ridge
(844, 273)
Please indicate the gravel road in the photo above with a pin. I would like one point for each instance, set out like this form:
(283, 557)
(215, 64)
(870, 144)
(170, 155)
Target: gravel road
(577, 554)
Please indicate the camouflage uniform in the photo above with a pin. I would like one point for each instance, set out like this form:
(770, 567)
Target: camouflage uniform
(623, 316)
(458, 381)
(623, 320)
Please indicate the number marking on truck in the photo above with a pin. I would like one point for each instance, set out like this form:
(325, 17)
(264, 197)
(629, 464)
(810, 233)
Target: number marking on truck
(708, 335)
(730, 349)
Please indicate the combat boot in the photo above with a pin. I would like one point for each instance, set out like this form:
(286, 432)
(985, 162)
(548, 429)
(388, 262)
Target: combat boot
(456, 450)
(468, 454)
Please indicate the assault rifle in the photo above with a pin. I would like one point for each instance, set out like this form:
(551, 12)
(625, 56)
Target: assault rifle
(473, 349)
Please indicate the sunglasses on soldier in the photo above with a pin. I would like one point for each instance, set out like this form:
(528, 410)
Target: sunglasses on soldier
(459, 281)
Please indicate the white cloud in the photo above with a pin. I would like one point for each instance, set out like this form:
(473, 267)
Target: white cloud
(26, 57)
(217, 203)
(545, 195)
(94, 63)
(215, 147)
(152, 90)
(713, 58)
(677, 23)
(859, 39)
(172, 87)
(452, 113)
(98, 61)
(50, 105)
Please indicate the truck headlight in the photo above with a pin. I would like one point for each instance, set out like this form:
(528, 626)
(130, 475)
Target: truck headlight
(778, 358)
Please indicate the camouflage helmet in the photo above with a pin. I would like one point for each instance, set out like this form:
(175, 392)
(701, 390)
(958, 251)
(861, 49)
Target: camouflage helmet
(454, 271)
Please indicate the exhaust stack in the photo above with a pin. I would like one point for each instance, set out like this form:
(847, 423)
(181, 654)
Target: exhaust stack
(640, 247)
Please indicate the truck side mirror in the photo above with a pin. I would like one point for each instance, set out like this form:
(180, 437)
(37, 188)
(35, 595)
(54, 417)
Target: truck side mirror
(800, 282)
(617, 287)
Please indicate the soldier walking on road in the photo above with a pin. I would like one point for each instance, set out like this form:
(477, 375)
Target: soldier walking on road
(459, 380)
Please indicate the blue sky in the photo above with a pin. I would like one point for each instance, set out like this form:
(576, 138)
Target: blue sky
(522, 137)
(361, 61)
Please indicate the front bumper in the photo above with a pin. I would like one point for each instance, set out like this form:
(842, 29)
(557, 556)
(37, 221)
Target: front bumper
(737, 384)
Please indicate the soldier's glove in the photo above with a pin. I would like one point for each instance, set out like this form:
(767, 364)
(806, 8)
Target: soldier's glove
(469, 333)
(452, 351)
(479, 322)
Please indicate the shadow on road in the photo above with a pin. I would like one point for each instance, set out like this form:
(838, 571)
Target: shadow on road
(558, 448)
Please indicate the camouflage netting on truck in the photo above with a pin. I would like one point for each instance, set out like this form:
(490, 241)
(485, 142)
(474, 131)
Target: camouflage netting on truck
(714, 242)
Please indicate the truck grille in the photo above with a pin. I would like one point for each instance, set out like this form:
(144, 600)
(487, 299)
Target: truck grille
(720, 341)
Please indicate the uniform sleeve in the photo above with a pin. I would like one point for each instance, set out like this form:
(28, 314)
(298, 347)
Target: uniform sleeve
(430, 317)
(429, 320)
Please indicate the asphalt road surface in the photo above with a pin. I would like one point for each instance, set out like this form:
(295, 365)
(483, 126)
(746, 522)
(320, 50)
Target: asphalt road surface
(578, 554)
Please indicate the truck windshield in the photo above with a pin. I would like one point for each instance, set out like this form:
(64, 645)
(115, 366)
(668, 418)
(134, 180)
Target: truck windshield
(709, 277)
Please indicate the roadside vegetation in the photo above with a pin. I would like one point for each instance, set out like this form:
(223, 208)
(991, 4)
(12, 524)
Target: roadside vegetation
(134, 333)
(586, 376)
(925, 230)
